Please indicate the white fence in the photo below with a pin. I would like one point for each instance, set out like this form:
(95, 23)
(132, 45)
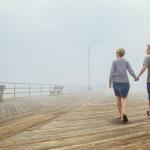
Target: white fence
(31, 89)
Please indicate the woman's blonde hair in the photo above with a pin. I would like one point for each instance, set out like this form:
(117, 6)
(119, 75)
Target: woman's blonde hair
(121, 52)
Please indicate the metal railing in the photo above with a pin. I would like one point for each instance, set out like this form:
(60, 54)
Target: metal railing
(31, 89)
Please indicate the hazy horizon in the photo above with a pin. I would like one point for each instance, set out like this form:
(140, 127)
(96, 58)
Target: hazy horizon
(40, 39)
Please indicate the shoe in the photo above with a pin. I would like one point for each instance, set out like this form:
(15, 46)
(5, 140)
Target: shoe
(148, 114)
(125, 118)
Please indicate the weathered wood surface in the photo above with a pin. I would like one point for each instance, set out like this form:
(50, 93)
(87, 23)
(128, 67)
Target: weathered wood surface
(19, 106)
(83, 122)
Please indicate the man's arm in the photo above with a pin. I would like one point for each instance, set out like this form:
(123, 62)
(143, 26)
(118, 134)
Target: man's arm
(145, 64)
(142, 70)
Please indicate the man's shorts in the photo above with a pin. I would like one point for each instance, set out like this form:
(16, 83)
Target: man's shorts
(121, 89)
(148, 90)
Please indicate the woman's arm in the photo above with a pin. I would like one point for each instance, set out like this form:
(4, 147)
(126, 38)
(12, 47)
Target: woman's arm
(111, 74)
(130, 70)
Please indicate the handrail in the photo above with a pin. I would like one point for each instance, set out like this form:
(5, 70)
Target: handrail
(28, 89)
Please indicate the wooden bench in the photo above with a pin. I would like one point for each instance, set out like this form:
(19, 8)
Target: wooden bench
(57, 90)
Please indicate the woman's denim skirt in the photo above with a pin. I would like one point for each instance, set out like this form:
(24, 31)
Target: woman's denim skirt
(121, 89)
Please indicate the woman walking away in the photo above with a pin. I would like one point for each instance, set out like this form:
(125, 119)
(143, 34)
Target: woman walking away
(119, 79)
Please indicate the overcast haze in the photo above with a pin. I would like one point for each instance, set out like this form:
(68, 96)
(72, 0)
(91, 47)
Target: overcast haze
(39, 39)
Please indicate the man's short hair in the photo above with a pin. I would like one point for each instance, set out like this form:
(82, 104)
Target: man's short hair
(148, 46)
(121, 52)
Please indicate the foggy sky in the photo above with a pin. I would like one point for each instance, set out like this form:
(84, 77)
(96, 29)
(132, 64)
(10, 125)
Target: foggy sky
(39, 39)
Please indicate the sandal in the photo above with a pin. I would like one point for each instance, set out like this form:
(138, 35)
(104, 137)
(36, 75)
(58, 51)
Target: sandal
(125, 118)
(148, 113)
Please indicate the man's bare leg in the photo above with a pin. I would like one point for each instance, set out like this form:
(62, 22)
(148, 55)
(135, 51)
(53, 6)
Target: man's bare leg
(148, 112)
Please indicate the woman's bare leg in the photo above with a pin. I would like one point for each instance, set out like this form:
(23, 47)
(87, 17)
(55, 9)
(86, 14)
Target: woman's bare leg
(124, 108)
(119, 106)
(124, 104)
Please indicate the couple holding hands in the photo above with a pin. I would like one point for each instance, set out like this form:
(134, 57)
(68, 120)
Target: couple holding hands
(120, 81)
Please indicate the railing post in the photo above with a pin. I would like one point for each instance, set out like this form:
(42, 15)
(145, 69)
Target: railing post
(14, 90)
(2, 88)
(41, 89)
(1, 96)
(29, 89)
(50, 90)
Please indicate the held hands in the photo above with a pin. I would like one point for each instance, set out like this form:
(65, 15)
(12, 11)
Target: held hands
(136, 78)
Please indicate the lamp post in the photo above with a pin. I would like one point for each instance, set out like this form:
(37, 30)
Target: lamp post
(89, 74)
(89, 69)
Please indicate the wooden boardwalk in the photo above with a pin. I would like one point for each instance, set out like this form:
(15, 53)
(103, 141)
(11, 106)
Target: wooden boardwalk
(81, 122)
(20, 106)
